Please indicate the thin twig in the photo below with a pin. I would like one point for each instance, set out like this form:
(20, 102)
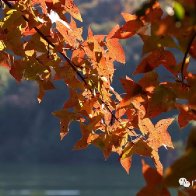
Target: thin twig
(185, 56)
(73, 66)
(51, 44)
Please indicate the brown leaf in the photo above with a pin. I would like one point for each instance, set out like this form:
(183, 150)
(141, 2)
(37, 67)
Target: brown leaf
(149, 81)
(65, 119)
(4, 59)
(161, 100)
(44, 85)
(154, 182)
(187, 192)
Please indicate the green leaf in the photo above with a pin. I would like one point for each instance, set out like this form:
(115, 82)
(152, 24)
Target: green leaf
(179, 11)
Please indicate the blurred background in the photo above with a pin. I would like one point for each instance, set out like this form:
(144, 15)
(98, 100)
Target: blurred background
(33, 160)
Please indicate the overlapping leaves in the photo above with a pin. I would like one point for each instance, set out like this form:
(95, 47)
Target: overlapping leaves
(45, 50)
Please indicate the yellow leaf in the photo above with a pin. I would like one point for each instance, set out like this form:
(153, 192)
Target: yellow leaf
(2, 46)
(29, 52)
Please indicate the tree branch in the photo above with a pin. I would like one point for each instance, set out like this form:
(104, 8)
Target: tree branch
(185, 55)
(73, 66)
(51, 44)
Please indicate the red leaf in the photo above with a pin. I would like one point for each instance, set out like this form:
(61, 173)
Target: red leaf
(187, 113)
(4, 59)
(156, 58)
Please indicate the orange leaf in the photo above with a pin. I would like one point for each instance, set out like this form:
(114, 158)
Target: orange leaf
(73, 9)
(71, 36)
(139, 147)
(126, 163)
(87, 138)
(127, 30)
(128, 17)
(145, 126)
(115, 50)
(42, 4)
(134, 92)
(157, 162)
(159, 136)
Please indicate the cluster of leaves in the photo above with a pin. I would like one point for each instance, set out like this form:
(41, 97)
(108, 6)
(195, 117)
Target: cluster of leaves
(41, 41)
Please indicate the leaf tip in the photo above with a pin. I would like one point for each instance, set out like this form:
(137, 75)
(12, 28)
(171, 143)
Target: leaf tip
(126, 163)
